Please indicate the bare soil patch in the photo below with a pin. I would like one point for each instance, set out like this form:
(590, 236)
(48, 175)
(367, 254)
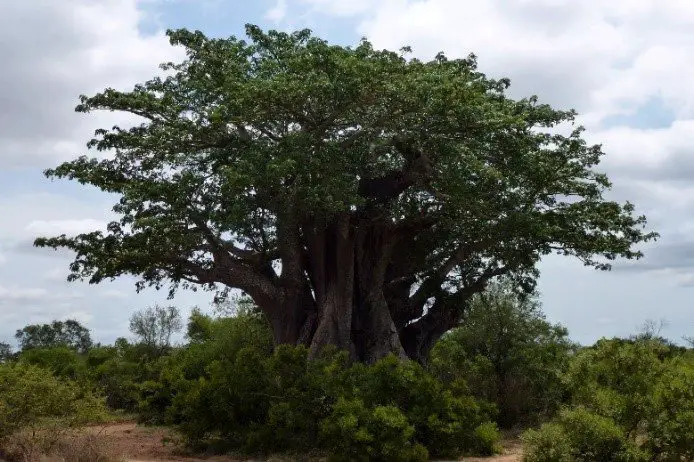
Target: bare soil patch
(513, 452)
(134, 443)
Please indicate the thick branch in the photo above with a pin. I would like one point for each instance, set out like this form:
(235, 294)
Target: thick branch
(433, 282)
(419, 337)
(243, 274)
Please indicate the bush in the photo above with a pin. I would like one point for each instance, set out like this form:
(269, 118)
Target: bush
(508, 354)
(615, 378)
(266, 402)
(445, 423)
(670, 425)
(118, 379)
(38, 407)
(632, 400)
(354, 432)
(644, 386)
(592, 437)
(579, 435)
(486, 439)
(61, 360)
(548, 444)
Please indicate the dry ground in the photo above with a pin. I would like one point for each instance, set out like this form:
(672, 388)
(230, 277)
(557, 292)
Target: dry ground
(135, 443)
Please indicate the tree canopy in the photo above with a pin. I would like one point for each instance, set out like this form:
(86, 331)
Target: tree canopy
(6, 352)
(508, 353)
(68, 333)
(359, 196)
(155, 325)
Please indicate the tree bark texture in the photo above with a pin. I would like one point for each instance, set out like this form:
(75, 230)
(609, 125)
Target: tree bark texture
(346, 292)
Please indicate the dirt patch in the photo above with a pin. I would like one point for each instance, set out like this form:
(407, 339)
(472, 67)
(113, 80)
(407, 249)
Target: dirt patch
(134, 443)
(513, 452)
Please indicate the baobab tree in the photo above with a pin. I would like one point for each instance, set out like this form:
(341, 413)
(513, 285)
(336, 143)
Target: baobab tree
(360, 197)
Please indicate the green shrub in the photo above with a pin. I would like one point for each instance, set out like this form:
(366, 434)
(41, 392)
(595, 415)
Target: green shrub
(549, 443)
(444, 423)
(615, 378)
(282, 402)
(593, 437)
(118, 380)
(61, 360)
(670, 424)
(508, 354)
(230, 390)
(644, 387)
(486, 439)
(580, 435)
(355, 432)
(32, 398)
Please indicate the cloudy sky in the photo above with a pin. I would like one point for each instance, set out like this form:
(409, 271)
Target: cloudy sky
(626, 65)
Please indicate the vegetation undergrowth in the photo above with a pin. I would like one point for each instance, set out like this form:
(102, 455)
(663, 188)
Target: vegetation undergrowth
(631, 400)
(229, 390)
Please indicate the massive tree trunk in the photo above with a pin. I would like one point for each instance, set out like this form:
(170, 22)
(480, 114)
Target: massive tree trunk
(342, 303)
(374, 330)
(348, 284)
(331, 250)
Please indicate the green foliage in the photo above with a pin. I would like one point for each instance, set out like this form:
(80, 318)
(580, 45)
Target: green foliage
(616, 377)
(61, 360)
(68, 333)
(508, 354)
(445, 422)
(214, 343)
(485, 439)
(670, 424)
(549, 443)
(229, 389)
(285, 402)
(122, 372)
(155, 325)
(6, 352)
(592, 437)
(633, 400)
(32, 397)
(251, 150)
(581, 435)
(355, 432)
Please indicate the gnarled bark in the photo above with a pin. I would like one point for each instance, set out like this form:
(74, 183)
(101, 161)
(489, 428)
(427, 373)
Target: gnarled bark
(374, 330)
(332, 252)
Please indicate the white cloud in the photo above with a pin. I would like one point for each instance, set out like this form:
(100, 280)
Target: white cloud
(56, 274)
(344, 8)
(22, 294)
(51, 53)
(112, 293)
(278, 12)
(55, 51)
(82, 317)
(27, 215)
(601, 57)
(659, 153)
(68, 227)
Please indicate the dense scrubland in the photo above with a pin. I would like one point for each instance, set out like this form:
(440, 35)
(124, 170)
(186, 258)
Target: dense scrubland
(386, 215)
(227, 390)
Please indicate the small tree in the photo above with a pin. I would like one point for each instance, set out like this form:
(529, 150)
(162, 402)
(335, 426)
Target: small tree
(68, 333)
(155, 325)
(508, 353)
(6, 352)
(37, 408)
